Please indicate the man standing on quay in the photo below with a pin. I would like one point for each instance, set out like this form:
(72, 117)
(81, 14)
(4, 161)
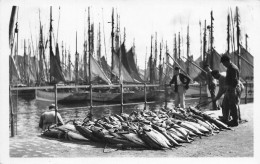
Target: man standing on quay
(232, 92)
(181, 84)
(211, 82)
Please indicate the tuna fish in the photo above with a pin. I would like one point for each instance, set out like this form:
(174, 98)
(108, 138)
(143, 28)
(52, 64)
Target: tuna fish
(134, 138)
(156, 137)
(72, 136)
(87, 133)
(54, 133)
(119, 117)
(164, 132)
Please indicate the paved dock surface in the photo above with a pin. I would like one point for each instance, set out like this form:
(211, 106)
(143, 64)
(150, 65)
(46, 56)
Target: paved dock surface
(238, 142)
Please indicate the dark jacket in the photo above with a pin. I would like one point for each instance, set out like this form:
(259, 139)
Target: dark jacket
(184, 80)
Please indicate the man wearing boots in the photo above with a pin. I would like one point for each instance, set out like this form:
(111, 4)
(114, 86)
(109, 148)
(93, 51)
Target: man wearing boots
(232, 91)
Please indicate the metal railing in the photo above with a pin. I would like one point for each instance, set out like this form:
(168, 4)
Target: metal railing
(91, 87)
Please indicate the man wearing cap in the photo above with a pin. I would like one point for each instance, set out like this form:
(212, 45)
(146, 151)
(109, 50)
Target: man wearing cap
(181, 84)
(232, 91)
(48, 118)
(211, 82)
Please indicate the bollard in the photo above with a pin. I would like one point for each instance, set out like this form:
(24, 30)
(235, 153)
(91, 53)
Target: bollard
(246, 93)
(11, 112)
(91, 102)
(122, 96)
(55, 88)
(165, 95)
(145, 101)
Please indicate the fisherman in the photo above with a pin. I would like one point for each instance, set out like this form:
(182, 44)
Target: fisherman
(211, 82)
(233, 90)
(181, 84)
(48, 118)
(221, 77)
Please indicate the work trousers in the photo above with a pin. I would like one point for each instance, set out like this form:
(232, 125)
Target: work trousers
(225, 104)
(231, 105)
(180, 97)
(212, 91)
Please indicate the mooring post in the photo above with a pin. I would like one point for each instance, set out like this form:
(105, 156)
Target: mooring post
(122, 96)
(55, 88)
(246, 93)
(165, 95)
(91, 102)
(11, 111)
(145, 101)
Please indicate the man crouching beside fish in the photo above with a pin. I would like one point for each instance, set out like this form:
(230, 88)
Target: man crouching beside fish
(48, 118)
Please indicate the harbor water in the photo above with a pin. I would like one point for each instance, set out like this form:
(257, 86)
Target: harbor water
(27, 112)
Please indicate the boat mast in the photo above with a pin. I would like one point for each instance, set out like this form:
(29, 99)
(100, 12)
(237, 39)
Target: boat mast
(155, 52)
(17, 32)
(211, 39)
(228, 34)
(160, 64)
(112, 43)
(205, 44)
(179, 46)
(50, 38)
(62, 53)
(76, 63)
(175, 47)
(238, 38)
(89, 47)
(188, 50)
(150, 61)
(200, 40)
(69, 65)
(24, 63)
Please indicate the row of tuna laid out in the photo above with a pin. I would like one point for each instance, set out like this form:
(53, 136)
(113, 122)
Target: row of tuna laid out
(163, 129)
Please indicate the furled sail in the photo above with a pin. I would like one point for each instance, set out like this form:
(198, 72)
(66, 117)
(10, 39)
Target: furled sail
(13, 71)
(193, 70)
(55, 69)
(124, 73)
(97, 72)
(106, 68)
(132, 65)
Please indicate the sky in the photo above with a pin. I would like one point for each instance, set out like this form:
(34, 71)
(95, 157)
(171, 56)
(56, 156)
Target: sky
(141, 19)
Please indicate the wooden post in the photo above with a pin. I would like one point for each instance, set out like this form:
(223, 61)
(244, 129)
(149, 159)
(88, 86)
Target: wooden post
(91, 102)
(145, 101)
(11, 111)
(165, 95)
(200, 91)
(55, 87)
(246, 93)
(122, 96)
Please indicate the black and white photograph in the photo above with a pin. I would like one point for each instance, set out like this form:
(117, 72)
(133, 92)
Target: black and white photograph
(138, 81)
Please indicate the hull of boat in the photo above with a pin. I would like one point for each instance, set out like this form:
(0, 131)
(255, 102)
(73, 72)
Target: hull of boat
(104, 97)
(43, 95)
